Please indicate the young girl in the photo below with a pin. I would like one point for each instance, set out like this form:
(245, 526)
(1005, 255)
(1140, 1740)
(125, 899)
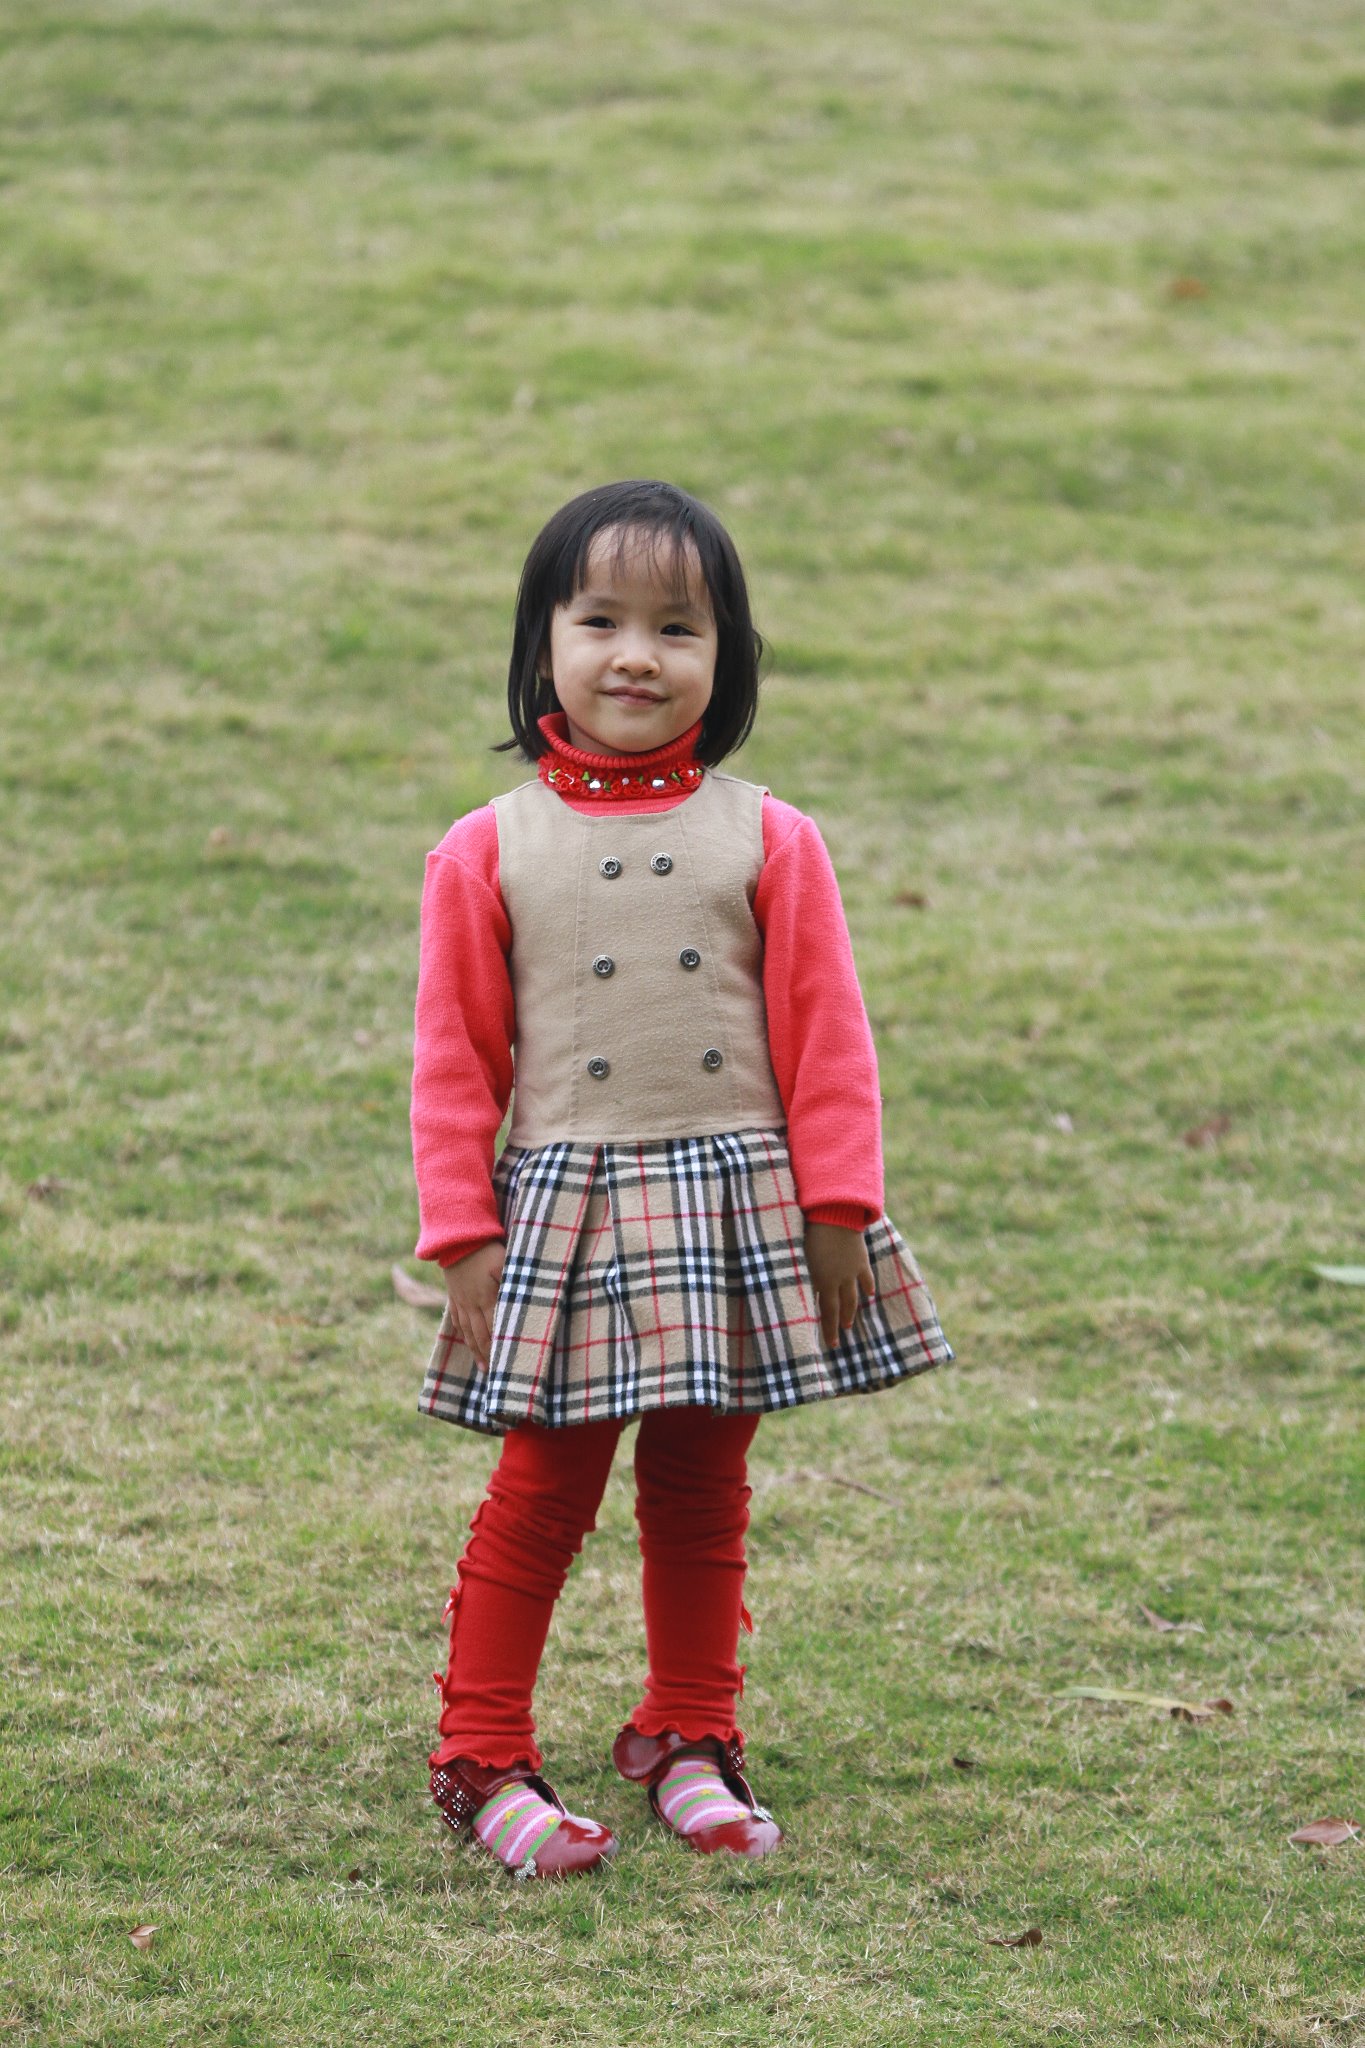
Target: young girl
(685, 1226)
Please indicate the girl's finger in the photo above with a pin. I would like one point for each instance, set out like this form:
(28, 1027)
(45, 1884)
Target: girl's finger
(848, 1304)
(483, 1337)
(867, 1283)
(829, 1317)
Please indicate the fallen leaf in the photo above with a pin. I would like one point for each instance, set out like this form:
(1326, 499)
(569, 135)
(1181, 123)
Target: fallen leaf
(1167, 1628)
(221, 835)
(964, 1763)
(141, 1937)
(49, 1187)
(1202, 1710)
(1188, 288)
(911, 899)
(1326, 1834)
(356, 1876)
(1182, 1710)
(1345, 1276)
(1205, 1135)
(416, 1293)
(1063, 1122)
(1030, 1938)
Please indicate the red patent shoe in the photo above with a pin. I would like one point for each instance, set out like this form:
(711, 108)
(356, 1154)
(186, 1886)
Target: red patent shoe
(461, 1788)
(643, 1759)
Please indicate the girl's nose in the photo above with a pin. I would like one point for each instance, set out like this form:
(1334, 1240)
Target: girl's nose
(635, 658)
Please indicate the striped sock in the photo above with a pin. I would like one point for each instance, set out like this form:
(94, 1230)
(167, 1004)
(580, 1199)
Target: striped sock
(693, 1795)
(516, 1823)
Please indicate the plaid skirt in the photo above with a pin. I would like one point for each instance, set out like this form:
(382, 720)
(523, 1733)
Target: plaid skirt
(663, 1275)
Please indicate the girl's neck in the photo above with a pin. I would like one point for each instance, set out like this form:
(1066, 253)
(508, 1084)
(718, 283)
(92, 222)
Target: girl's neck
(655, 781)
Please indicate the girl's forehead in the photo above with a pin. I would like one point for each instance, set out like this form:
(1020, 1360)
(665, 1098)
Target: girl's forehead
(632, 561)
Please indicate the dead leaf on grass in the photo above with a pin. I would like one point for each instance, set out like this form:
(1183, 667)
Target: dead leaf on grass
(49, 1187)
(1201, 1710)
(1326, 1834)
(911, 899)
(1188, 288)
(416, 1293)
(1030, 1938)
(356, 1876)
(1179, 1710)
(1344, 1276)
(1167, 1628)
(1203, 1137)
(141, 1937)
(965, 1763)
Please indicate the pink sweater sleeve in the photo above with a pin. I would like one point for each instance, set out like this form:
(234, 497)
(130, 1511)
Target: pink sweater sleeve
(462, 1049)
(819, 1038)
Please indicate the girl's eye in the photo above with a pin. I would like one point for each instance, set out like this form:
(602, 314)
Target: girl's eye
(681, 629)
(597, 620)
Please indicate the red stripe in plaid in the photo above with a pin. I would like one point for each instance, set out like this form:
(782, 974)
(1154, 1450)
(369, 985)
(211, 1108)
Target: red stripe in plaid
(669, 1274)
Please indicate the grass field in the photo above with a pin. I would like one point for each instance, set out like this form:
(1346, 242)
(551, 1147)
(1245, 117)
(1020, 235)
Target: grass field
(1020, 344)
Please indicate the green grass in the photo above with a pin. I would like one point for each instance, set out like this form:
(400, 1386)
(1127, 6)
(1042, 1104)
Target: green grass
(311, 315)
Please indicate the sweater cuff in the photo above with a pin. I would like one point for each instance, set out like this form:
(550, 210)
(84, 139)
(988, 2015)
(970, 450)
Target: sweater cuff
(848, 1215)
(454, 1253)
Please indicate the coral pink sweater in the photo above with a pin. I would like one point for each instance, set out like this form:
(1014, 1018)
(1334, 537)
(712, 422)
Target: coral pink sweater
(819, 1039)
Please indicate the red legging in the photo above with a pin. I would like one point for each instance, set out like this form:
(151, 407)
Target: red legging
(692, 1506)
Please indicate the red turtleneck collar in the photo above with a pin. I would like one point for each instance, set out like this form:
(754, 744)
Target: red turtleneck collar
(656, 780)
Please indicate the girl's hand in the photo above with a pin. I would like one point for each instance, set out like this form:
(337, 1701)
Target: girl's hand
(472, 1284)
(842, 1273)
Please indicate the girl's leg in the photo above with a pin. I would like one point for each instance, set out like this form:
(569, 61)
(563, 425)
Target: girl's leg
(682, 1742)
(542, 1500)
(693, 1509)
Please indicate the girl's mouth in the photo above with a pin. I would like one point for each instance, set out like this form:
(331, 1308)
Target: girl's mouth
(634, 697)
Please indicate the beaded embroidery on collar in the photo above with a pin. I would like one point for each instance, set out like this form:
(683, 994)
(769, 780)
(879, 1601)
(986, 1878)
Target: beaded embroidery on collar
(669, 770)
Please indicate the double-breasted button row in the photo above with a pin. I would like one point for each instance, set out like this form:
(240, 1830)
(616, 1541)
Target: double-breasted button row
(712, 1058)
(604, 965)
(662, 864)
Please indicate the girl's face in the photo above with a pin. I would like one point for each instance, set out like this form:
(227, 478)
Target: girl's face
(632, 655)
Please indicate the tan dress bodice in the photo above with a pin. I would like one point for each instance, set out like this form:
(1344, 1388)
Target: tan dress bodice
(637, 967)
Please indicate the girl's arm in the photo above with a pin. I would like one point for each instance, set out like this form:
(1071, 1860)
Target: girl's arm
(819, 1038)
(462, 1050)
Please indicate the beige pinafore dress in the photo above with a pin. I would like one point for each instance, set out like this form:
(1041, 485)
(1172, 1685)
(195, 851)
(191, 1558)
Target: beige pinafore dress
(655, 1245)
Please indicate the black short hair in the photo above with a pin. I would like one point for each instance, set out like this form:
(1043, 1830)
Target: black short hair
(557, 567)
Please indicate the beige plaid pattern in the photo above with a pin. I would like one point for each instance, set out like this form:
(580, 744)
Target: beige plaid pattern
(669, 1274)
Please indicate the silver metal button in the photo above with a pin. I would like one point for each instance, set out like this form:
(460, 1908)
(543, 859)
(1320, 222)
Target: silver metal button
(689, 957)
(661, 863)
(610, 867)
(712, 1058)
(604, 965)
(599, 1069)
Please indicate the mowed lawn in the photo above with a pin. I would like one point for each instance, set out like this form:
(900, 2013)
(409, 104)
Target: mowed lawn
(1020, 345)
